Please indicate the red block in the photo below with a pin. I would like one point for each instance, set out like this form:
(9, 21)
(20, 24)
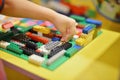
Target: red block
(50, 35)
(7, 25)
(37, 38)
(58, 35)
(80, 26)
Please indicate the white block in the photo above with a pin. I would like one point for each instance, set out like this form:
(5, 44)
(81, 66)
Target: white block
(35, 59)
(55, 57)
(4, 44)
(75, 37)
(44, 50)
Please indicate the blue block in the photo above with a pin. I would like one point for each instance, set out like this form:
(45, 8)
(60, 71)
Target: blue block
(55, 39)
(96, 22)
(77, 47)
(39, 22)
(87, 29)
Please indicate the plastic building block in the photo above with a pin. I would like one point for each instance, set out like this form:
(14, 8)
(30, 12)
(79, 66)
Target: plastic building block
(39, 22)
(35, 59)
(51, 45)
(83, 35)
(15, 30)
(56, 56)
(50, 35)
(25, 20)
(79, 34)
(21, 38)
(55, 39)
(80, 41)
(58, 35)
(23, 29)
(43, 50)
(55, 51)
(29, 52)
(75, 37)
(96, 22)
(7, 25)
(6, 35)
(81, 25)
(41, 29)
(70, 52)
(17, 43)
(31, 45)
(78, 18)
(23, 25)
(56, 63)
(47, 23)
(87, 29)
(66, 45)
(39, 44)
(4, 44)
(37, 38)
(77, 47)
(32, 31)
(14, 48)
(30, 23)
(16, 22)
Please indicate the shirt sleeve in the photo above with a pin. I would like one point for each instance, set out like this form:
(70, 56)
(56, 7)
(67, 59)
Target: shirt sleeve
(1, 5)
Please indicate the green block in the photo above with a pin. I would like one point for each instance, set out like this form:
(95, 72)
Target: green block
(23, 29)
(56, 64)
(58, 32)
(39, 44)
(70, 52)
(14, 48)
(78, 18)
(25, 57)
(82, 23)
(72, 42)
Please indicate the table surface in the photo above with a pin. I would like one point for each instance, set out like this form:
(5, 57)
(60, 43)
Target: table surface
(73, 67)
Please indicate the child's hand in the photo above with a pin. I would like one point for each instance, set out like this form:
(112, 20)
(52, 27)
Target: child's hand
(66, 25)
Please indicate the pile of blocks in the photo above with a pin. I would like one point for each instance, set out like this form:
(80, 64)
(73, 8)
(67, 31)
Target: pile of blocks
(39, 42)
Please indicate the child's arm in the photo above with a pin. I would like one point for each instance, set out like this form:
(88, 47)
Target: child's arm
(24, 8)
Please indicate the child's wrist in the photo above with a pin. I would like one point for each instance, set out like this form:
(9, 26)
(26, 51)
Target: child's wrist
(53, 17)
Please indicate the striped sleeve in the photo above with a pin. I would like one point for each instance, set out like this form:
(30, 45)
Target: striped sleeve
(1, 5)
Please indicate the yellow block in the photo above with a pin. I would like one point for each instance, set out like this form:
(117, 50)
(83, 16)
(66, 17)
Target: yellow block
(23, 25)
(41, 29)
(16, 22)
(80, 41)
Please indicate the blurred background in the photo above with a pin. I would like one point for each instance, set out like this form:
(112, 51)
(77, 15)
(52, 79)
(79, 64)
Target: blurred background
(107, 11)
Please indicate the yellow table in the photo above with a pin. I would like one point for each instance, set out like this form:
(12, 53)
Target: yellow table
(78, 66)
